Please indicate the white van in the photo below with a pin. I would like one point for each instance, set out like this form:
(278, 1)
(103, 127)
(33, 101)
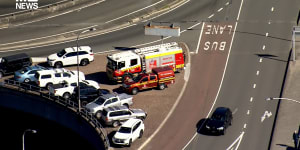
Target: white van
(46, 78)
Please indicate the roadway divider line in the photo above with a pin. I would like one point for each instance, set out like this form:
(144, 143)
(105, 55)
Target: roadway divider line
(186, 78)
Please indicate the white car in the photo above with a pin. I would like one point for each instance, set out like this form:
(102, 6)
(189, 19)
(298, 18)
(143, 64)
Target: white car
(131, 130)
(46, 78)
(66, 89)
(68, 56)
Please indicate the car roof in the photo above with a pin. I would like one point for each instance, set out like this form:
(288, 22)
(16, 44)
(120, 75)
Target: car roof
(34, 67)
(74, 49)
(130, 122)
(115, 108)
(107, 96)
(221, 110)
(57, 70)
(15, 57)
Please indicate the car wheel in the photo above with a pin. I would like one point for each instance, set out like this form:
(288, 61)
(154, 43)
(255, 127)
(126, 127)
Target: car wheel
(129, 144)
(66, 96)
(115, 123)
(48, 85)
(84, 62)
(134, 91)
(58, 65)
(27, 80)
(1, 74)
(98, 114)
(83, 103)
(141, 134)
(162, 86)
(126, 105)
(126, 77)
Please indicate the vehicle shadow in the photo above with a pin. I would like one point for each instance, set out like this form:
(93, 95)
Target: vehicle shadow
(201, 128)
(110, 136)
(100, 77)
(287, 146)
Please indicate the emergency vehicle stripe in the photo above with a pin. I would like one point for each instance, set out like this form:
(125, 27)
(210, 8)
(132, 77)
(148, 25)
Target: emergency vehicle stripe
(164, 54)
(131, 68)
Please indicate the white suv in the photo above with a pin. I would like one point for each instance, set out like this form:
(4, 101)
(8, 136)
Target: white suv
(68, 56)
(46, 78)
(129, 132)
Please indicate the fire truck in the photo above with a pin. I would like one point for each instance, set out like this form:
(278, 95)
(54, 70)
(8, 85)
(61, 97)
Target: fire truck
(124, 65)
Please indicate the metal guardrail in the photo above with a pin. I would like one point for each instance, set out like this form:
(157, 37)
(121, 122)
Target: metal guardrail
(28, 88)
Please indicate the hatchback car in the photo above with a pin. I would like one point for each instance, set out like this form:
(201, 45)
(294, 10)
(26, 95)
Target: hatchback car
(26, 74)
(219, 121)
(131, 130)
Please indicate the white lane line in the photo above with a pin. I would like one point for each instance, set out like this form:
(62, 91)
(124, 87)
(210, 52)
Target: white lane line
(272, 9)
(238, 17)
(251, 99)
(269, 22)
(227, 3)
(260, 60)
(236, 23)
(257, 72)
(248, 112)
(200, 35)
(210, 16)
(238, 141)
(267, 34)
(264, 46)
(254, 85)
(220, 9)
(134, 12)
(235, 110)
(245, 126)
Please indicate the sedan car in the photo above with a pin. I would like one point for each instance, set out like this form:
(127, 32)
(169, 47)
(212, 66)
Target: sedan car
(131, 130)
(219, 121)
(26, 74)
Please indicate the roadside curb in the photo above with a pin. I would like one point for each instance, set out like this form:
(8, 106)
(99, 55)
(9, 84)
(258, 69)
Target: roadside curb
(186, 78)
(103, 29)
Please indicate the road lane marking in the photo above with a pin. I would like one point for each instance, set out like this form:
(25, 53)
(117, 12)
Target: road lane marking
(236, 142)
(254, 85)
(272, 9)
(269, 22)
(266, 115)
(199, 39)
(227, 3)
(210, 16)
(245, 126)
(257, 72)
(248, 112)
(267, 34)
(235, 110)
(264, 46)
(251, 99)
(260, 60)
(220, 9)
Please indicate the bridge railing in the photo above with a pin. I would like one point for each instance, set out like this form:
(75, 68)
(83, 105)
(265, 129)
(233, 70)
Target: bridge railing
(28, 88)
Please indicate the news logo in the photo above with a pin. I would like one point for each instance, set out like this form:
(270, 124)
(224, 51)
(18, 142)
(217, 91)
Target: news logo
(27, 4)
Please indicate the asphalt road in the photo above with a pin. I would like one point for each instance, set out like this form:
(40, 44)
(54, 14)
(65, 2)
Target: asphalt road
(255, 69)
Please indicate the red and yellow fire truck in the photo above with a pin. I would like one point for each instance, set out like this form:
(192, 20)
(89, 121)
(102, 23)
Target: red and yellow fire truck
(123, 65)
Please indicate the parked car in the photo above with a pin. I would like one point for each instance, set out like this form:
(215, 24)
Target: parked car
(66, 89)
(26, 74)
(88, 94)
(131, 130)
(68, 56)
(46, 78)
(116, 114)
(12, 63)
(219, 121)
(107, 100)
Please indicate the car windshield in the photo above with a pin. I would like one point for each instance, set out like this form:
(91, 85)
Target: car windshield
(125, 130)
(22, 71)
(218, 117)
(99, 101)
(111, 64)
(61, 53)
(137, 78)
